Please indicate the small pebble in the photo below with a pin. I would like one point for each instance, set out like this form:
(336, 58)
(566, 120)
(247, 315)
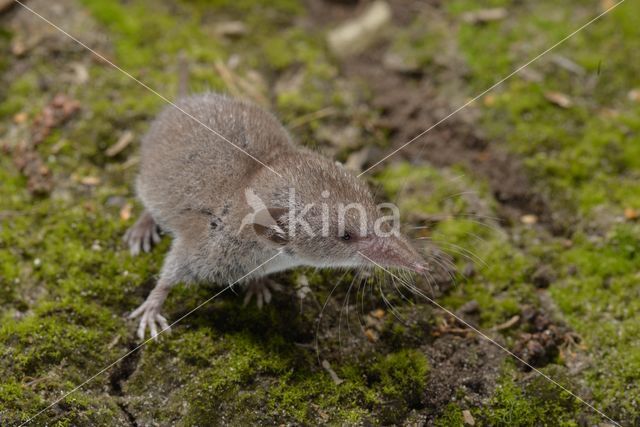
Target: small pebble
(543, 277)
(470, 307)
(469, 270)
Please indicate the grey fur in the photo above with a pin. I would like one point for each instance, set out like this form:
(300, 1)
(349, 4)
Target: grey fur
(192, 183)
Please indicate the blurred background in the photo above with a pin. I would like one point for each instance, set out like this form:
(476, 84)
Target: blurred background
(533, 190)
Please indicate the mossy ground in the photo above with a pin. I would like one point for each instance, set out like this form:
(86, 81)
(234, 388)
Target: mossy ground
(66, 281)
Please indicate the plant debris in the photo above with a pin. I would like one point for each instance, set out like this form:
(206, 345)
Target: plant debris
(483, 16)
(508, 324)
(29, 162)
(541, 344)
(327, 367)
(631, 214)
(122, 143)
(25, 155)
(56, 113)
(467, 418)
(529, 219)
(543, 276)
(356, 35)
(560, 99)
(125, 212)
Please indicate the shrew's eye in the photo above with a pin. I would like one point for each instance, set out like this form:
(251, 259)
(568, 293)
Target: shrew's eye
(346, 236)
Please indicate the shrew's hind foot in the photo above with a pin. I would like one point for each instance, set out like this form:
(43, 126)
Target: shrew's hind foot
(142, 235)
(149, 312)
(261, 289)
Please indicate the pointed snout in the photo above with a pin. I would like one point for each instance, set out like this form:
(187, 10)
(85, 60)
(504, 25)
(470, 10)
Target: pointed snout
(394, 251)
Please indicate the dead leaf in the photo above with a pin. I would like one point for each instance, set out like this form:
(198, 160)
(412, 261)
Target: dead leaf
(231, 29)
(29, 162)
(20, 118)
(122, 143)
(358, 159)
(485, 15)
(254, 86)
(443, 330)
(57, 112)
(567, 64)
(18, 47)
(250, 88)
(634, 95)
(80, 73)
(529, 219)
(6, 4)
(316, 115)
(560, 99)
(489, 100)
(125, 212)
(531, 75)
(631, 214)
(401, 63)
(90, 180)
(371, 335)
(609, 113)
(606, 5)
(378, 313)
(468, 418)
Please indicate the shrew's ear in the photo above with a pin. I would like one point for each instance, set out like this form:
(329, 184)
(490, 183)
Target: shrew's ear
(269, 224)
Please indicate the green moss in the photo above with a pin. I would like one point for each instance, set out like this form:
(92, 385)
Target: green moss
(536, 402)
(601, 301)
(417, 46)
(251, 8)
(55, 332)
(402, 376)
(584, 160)
(223, 373)
(469, 236)
(20, 403)
(451, 417)
(227, 377)
(579, 153)
(139, 36)
(394, 384)
(309, 82)
(293, 46)
(50, 351)
(242, 362)
(347, 402)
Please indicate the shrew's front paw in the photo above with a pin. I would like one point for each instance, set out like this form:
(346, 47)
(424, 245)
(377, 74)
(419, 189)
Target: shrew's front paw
(149, 313)
(261, 289)
(142, 235)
